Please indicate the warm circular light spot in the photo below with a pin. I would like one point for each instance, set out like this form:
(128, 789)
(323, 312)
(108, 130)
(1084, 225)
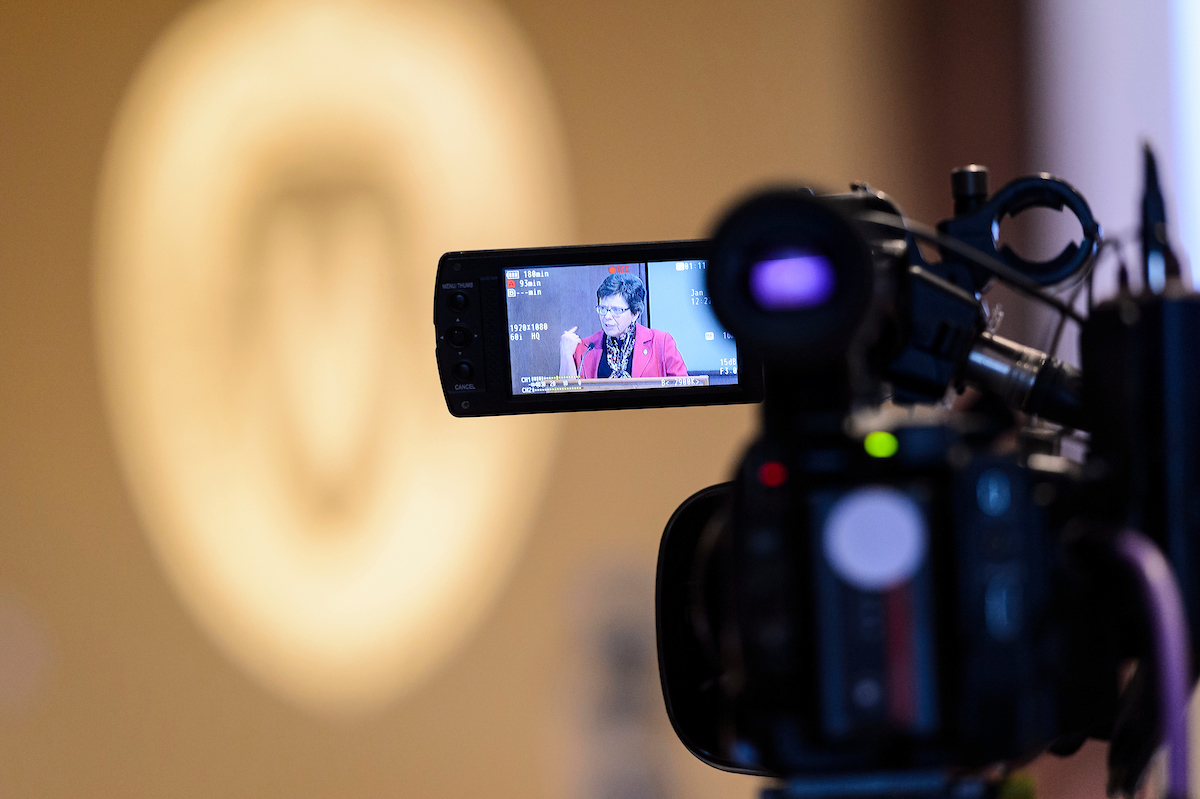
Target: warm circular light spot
(280, 184)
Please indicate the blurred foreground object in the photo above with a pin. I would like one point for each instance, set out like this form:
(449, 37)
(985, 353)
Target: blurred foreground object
(279, 176)
(860, 620)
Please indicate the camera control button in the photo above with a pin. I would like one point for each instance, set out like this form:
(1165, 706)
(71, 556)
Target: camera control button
(459, 336)
(458, 301)
(463, 370)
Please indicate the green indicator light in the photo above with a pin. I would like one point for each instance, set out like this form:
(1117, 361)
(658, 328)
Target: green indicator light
(880, 444)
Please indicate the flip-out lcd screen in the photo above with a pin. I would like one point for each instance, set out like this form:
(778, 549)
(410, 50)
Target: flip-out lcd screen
(606, 327)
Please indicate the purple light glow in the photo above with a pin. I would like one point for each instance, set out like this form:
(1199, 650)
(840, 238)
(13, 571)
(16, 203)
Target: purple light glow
(791, 279)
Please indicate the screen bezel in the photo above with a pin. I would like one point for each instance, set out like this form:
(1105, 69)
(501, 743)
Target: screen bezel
(487, 267)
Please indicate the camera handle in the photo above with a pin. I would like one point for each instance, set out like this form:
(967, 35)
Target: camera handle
(977, 219)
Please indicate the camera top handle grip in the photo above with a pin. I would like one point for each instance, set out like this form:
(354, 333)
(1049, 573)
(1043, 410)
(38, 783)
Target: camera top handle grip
(977, 222)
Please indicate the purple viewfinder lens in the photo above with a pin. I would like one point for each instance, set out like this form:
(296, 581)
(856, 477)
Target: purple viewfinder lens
(791, 279)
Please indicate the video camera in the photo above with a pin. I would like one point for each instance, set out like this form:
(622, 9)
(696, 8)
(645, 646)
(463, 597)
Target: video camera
(892, 597)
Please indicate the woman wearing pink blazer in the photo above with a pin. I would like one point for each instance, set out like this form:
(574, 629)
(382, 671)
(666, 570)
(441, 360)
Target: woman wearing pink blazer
(622, 347)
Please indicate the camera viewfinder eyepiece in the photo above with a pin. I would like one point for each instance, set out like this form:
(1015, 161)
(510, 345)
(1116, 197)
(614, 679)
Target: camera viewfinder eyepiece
(791, 276)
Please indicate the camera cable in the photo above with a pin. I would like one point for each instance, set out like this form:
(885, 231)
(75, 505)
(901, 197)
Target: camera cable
(981, 259)
(1169, 640)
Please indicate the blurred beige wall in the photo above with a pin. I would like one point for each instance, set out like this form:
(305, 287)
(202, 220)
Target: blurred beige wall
(670, 109)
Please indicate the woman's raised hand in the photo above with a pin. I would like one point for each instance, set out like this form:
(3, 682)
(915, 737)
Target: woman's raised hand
(568, 343)
(566, 352)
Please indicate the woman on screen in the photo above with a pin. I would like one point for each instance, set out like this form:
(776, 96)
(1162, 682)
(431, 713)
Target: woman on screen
(622, 347)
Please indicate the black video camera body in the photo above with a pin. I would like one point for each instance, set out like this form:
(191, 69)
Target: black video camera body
(890, 602)
(890, 598)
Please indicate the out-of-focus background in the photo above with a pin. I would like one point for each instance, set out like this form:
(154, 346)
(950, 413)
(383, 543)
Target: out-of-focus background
(243, 549)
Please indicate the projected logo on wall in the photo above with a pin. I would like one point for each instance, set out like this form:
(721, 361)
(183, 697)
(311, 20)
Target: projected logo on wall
(280, 183)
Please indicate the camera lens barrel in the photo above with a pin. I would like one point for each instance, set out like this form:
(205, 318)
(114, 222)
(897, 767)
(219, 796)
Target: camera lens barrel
(1027, 379)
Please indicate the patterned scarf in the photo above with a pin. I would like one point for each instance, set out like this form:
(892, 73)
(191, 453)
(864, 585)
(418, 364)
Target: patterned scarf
(619, 352)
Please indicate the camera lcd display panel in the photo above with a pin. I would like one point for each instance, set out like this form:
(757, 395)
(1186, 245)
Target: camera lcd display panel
(584, 328)
(615, 327)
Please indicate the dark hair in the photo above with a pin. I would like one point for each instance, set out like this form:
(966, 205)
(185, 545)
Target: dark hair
(630, 287)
